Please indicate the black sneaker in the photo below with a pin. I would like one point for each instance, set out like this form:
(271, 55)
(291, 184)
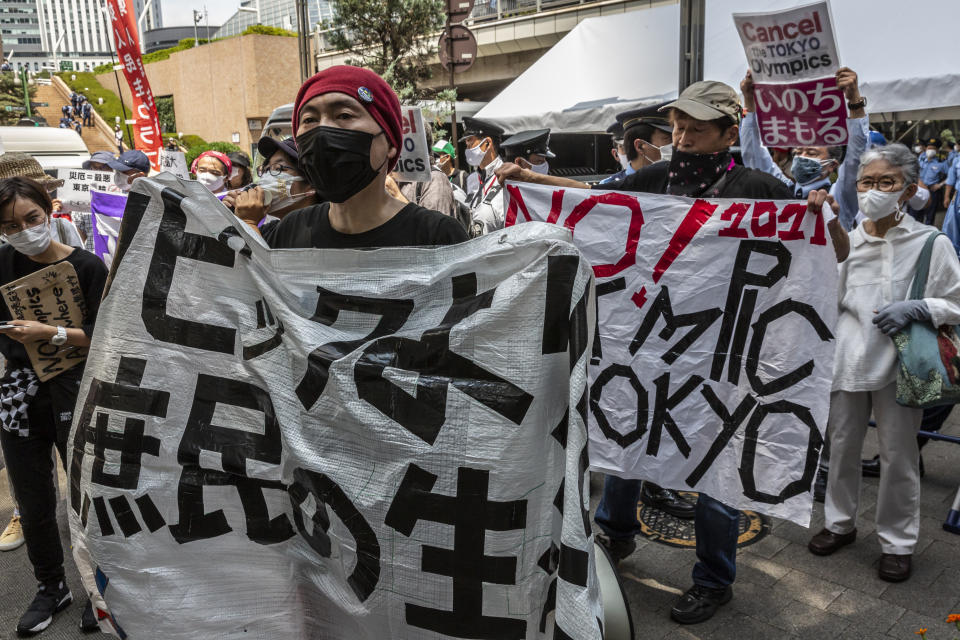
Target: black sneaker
(50, 600)
(618, 548)
(88, 620)
(699, 604)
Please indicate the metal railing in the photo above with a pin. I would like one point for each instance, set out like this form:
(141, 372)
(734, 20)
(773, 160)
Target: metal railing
(499, 9)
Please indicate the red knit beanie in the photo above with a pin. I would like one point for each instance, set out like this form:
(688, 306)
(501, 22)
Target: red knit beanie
(365, 87)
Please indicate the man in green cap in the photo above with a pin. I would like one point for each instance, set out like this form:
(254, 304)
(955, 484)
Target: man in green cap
(445, 153)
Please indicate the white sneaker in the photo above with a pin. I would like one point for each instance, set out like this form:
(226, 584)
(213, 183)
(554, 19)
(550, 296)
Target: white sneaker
(12, 536)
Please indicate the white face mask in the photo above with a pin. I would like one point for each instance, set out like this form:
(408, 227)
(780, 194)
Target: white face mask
(666, 152)
(210, 181)
(624, 162)
(541, 168)
(931, 153)
(276, 191)
(918, 149)
(32, 241)
(879, 204)
(122, 181)
(474, 155)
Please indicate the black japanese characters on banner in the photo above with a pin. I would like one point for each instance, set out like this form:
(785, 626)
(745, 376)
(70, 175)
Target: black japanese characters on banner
(203, 442)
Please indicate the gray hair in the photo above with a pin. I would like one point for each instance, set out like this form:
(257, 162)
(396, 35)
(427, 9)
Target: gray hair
(896, 155)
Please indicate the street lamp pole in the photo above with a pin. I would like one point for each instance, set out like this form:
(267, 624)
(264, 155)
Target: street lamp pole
(143, 14)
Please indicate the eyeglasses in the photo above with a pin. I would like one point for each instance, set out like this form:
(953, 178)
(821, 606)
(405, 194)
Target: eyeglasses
(274, 170)
(10, 228)
(883, 184)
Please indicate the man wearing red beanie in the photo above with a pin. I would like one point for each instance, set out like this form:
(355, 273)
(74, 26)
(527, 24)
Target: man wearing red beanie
(346, 122)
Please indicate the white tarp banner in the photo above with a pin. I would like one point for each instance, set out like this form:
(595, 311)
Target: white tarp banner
(414, 162)
(714, 361)
(335, 444)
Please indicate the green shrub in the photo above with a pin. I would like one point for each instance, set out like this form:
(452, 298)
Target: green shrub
(194, 151)
(267, 30)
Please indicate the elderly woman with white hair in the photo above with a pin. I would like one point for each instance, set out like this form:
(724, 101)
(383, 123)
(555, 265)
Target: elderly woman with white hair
(873, 305)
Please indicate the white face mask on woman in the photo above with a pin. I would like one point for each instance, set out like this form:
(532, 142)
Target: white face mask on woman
(32, 241)
(276, 191)
(210, 181)
(121, 181)
(876, 204)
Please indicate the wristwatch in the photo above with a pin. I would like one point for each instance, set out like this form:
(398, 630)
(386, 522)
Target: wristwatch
(858, 105)
(61, 338)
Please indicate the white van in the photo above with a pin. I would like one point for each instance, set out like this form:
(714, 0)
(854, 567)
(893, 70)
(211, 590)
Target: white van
(54, 148)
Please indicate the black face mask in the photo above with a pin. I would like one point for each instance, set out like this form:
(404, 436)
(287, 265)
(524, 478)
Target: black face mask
(693, 174)
(337, 161)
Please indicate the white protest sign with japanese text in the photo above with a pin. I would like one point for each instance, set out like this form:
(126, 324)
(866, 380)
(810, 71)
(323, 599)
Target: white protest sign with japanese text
(77, 185)
(335, 444)
(175, 162)
(414, 162)
(714, 361)
(792, 56)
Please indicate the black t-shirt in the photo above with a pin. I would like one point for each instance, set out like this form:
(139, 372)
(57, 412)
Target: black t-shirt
(412, 226)
(740, 182)
(91, 273)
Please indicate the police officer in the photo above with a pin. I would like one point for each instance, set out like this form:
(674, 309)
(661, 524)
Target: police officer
(617, 151)
(482, 140)
(530, 150)
(933, 175)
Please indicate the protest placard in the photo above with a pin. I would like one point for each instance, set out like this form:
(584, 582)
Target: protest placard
(414, 162)
(392, 441)
(714, 358)
(52, 296)
(77, 185)
(175, 162)
(792, 56)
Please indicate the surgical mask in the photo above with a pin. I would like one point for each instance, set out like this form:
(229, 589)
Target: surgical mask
(211, 182)
(474, 155)
(276, 191)
(122, 181)
(931, 153)
(541, 168)
(624, 162)
(877, 204)
(666, 152)
(806, 170)
(336, 162)
(918, 149)
(32, 241)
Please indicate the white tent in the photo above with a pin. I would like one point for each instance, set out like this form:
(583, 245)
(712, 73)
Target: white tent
(602, 67)
(609, 64)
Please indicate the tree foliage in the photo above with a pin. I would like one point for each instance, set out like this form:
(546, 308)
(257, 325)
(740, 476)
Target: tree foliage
(267, 30)
(11, 95)
(168, 120)
(394, 38)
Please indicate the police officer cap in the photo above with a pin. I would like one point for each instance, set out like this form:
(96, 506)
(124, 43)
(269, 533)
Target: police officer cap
(646, 115)
(616, 130)
(527, 142)
(934, 142)
(480, 129)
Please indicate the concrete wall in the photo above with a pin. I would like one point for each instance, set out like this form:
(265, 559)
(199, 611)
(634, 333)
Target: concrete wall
(218, 87)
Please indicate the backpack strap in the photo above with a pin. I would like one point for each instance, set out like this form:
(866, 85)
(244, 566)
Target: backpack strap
(923, 267)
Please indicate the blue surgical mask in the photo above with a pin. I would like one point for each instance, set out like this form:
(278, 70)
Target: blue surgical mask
(805, 170)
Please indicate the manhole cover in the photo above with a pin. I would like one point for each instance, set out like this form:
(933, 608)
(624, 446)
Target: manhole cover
(666, 529)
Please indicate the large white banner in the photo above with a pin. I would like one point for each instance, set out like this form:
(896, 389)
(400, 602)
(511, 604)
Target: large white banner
(714, 358)
(335, 444)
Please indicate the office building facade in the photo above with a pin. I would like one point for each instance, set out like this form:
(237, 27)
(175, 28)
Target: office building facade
(274, 13)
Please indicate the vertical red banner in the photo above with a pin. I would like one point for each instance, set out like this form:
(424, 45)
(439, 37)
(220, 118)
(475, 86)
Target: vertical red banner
(147, 137)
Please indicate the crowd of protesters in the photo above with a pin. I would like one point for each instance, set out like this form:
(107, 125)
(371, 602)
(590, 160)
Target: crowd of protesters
(332, 185)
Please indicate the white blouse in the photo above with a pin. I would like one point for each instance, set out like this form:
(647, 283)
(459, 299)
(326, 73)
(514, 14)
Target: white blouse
(879, 271)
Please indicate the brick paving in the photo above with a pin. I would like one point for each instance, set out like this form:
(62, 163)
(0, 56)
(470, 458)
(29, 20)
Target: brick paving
(782, 591)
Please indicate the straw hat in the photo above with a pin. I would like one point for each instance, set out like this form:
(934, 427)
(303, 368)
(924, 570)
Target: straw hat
(24, 165)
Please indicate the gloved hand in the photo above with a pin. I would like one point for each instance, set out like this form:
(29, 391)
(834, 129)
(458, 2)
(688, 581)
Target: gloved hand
(897, 315)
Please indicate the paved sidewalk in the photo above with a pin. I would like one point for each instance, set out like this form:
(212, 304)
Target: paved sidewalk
(782, 591)
(785, 592)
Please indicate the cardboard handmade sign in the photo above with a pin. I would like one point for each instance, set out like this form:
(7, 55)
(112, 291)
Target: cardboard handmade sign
(175, 162)
(713, 361)
(52, 296)
(334, 444)
(792, 55)
(414, 162)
